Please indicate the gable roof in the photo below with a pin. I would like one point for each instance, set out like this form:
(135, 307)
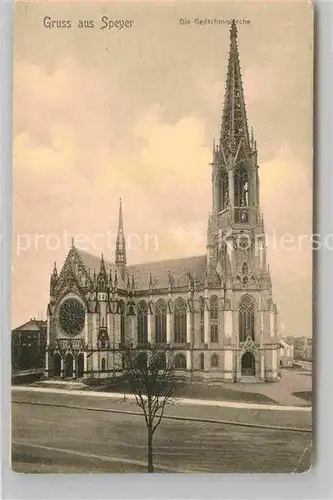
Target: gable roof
(178, 270)
(160, 272)
(31, 325)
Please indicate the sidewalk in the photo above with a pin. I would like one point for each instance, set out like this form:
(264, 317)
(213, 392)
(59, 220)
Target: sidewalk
(185, 401)
(247, 413)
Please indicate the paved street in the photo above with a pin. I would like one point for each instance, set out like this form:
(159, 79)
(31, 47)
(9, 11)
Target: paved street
(292, 380)
(61, 439)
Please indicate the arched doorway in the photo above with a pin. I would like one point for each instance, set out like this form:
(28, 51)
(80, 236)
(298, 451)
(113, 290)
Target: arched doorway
(56, 365)
(80, 366)
(69, 366)
(248, 364)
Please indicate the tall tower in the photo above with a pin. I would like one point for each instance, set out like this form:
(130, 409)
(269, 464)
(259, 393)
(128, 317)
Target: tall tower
(121, 245)
(236, 242)
(235, 179)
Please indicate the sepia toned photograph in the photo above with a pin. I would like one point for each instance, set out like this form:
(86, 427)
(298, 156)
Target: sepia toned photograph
(162, 238)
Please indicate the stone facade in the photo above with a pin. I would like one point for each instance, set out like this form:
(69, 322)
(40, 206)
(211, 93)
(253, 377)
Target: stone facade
(213, 313)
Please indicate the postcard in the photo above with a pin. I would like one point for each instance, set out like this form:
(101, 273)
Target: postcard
(162, 237)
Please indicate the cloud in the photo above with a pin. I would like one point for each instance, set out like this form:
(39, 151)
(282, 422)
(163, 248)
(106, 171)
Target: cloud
(65, 182)
(82, 140)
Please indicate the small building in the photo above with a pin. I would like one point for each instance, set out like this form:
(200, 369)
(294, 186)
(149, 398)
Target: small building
(28, 345)
(286, 354)
(302, 347)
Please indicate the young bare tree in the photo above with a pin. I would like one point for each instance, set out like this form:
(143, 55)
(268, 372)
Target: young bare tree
(149, 376)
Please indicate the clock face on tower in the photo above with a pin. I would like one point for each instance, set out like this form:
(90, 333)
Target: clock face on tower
(71, 317)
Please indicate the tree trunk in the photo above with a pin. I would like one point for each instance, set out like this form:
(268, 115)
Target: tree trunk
(150, 449)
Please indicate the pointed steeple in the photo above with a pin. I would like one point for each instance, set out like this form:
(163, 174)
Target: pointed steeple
(54, 279)
(234, 122)
(120, 244)
(102, 265)
(102, 279)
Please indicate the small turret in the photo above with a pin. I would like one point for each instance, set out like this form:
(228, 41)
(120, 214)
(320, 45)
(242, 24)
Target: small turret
(54, 275)
(54, 281)
(206, 277)
(102, 279)
(170, 280)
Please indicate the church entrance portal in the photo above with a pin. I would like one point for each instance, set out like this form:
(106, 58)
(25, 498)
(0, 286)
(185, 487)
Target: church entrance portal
(80, 366)
(69, 366)
(56, 365)
(248, 364)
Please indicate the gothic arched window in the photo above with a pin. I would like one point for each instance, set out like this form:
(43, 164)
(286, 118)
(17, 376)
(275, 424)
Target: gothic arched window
(241, 183)
(103, 339)
(180, 362)
(142, 315)
(246, 318)
(202, 319)
(160, 321)
(214, 319)
(202, 361)
(161, 360)
(103, 364)
(121, 311)
(180, 321)
(214, 362)
(224, 190)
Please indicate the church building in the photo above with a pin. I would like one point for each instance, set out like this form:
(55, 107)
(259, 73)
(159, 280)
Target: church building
(213, 313)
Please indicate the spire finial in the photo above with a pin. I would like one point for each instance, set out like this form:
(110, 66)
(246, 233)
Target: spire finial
(54, 276)
(73, 243)
(102, 265)
(234, 122)
(233, 30)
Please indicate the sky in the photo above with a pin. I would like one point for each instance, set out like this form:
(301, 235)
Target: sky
(101, 114)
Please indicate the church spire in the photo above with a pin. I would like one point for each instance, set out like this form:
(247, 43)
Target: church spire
(120, 244)
(102, 279)
(234, 123)
(102, 266)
